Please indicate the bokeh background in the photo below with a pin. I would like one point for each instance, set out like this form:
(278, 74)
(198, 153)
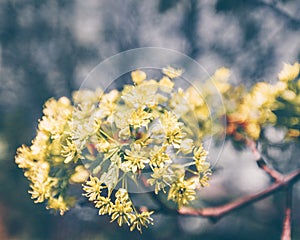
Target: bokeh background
(47, 47)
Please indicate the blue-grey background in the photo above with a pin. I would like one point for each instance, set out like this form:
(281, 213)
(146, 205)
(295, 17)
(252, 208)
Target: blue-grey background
(47, 47)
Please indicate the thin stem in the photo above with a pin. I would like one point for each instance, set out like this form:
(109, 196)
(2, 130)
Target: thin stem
(277, 176)
(107, 136)
(191, 171)
(286, 232)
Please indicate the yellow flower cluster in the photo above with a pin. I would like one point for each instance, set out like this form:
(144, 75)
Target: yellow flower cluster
(265, 104)
(46, 163)
(140, 135)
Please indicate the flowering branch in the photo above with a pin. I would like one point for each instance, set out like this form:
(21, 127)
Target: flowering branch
(215, 213)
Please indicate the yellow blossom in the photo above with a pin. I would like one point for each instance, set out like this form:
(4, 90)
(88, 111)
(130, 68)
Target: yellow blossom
(172, 128)
(93, 188)
(159, 157)
(104, 204)
(59, 204)
(182, 192)
(81, 175)
(289, 72)
(140, 118)
(166, 85)
(140, 220)
(138, 76)
(122, 210)
(71, 152)
(161, 177)
(135, 158)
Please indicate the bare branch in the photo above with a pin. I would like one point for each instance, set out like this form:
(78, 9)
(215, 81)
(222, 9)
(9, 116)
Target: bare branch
(286, 232)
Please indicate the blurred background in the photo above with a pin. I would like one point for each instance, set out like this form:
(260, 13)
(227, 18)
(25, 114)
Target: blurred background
(47, 48)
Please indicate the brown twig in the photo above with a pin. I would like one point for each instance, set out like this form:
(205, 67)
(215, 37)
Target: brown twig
(215, 213)
(277, 176)
(286, 232)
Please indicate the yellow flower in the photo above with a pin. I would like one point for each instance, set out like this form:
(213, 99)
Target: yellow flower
(220, 79)
(166, 85)
(80, 175)
(172, 72)
(71, 152)
(253, 130)
(200, 155)
(104, 204)
(138, 76)
(182, 192)
(93, 188)
(87, 96)
(172, 128)
(122, 210)
(141, 219)
(161, 177)
(140, 118)
(59, 204)
(158, 156)
(289, 72)
(40, 190)
(24, 158)
(204, 178)
(135, 159)
(140, 96)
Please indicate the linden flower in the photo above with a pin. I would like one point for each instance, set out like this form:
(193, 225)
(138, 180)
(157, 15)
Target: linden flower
(172, 72)
(135, 159)
(166, 85)
(58, 204)
(140, 96)
(204, 177)
(80, 175)
(71, 152)
(159, 156)
(172, 128)
(104, 204)
(220, 78)
(107, 105)
(41, 185)
(122, 210)
(200, 155)
(87, 96)
(103, 145)
(138, 76)
(24, 157)
(40, 190)
(289, 72)
(182, 191)
(161, 178)
(140, 118)
(141, 219)
(93, 188)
